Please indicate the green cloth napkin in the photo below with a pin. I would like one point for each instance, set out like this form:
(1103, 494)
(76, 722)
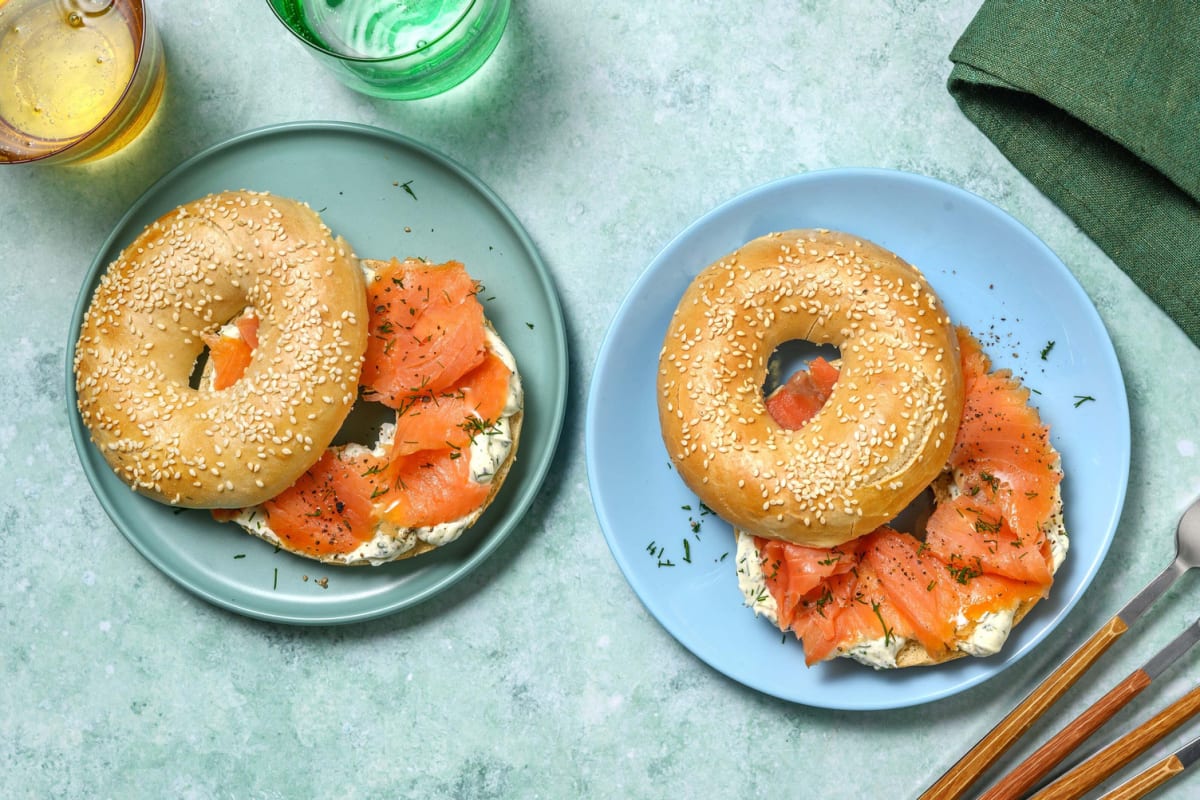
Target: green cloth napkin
(1097, 102)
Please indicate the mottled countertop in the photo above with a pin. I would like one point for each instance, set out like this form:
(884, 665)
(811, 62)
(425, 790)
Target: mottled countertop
(607, 128)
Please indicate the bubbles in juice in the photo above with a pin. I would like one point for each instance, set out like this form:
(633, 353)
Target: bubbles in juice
(63, 66)
(378, 28)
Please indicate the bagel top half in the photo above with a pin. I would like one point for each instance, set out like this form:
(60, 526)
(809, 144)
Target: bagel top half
(186, 275)
(880, 439)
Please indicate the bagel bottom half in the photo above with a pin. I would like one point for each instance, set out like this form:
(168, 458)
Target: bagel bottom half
(437, 464)
(981, 636)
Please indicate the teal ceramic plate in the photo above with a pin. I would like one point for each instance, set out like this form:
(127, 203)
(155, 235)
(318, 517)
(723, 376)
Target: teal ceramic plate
(995, 277)
(387, 196)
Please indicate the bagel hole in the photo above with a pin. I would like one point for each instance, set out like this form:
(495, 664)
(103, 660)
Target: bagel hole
(197, 376)
(792, 357)
(363, 423)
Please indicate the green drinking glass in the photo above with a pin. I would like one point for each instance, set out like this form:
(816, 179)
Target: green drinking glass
(395, 49)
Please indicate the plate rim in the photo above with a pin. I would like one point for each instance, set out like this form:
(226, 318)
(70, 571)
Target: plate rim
(555, 413)
(727, 206)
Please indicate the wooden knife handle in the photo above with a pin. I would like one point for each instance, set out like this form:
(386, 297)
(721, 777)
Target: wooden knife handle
(967, 770)
(1104, 763)
(1027, 773)
(1143, 783)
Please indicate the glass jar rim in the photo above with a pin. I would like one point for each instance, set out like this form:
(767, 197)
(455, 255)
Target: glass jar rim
(141, 22)
(361, 59)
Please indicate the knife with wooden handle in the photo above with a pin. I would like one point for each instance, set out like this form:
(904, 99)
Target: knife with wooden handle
(1096, 769)
(1150, 779)
(1027, 773)
(987, 750)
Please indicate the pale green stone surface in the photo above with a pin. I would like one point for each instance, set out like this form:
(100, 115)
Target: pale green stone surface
(607, 128)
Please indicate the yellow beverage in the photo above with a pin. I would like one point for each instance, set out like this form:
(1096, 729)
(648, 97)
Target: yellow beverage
(65, 67)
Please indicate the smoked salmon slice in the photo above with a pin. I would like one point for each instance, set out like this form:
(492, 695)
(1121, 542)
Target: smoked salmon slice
(989, 593)
(230, 355)
(984, 550)
(330, 509)
(916, 587)
(426, 331)
(798, 400)
(848, 608)
(798, 570)
(964, 533)
(1002, 441)
(432, 487)
(451, 418)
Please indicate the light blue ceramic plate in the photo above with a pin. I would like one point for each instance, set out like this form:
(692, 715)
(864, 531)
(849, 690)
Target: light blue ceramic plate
(995, 277)
(387, 196)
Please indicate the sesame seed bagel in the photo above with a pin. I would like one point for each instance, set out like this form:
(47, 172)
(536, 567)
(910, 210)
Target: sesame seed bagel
(185, 276)
(885, 432)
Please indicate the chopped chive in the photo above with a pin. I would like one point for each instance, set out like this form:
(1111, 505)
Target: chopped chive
(887, 632)
(984, 526)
